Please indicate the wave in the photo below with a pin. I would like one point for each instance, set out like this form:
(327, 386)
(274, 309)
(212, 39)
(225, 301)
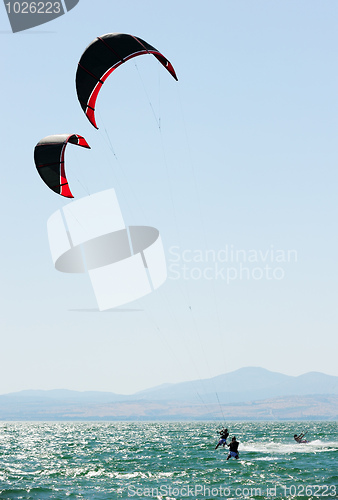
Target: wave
(283, 448)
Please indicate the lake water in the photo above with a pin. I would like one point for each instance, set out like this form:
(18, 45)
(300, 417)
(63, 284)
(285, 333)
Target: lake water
(166, 460)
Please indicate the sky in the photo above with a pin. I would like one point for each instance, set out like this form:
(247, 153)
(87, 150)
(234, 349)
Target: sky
(235, 164)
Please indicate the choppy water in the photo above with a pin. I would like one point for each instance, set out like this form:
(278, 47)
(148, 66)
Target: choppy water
(106, 461)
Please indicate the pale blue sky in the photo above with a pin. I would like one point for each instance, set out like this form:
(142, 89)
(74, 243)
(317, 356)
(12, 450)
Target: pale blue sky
(246, 160)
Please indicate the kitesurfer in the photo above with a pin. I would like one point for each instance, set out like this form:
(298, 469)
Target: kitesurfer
(223, 438)
(233, 451)
(299, 438)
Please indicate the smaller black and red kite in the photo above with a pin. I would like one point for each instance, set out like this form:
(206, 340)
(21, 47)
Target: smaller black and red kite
(49, 157)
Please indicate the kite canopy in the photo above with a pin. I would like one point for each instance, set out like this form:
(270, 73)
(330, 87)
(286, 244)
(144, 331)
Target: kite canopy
(99, 60)
(49, 160)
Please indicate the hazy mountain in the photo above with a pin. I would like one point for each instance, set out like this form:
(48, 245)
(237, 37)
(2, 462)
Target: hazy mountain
(245, 384)
(245, 393)
(63, 395)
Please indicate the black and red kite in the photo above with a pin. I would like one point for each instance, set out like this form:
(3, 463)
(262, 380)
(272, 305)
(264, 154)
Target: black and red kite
(49, 157)
(102, 56)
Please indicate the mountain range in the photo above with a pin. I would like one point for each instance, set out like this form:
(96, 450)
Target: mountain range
(248, 393)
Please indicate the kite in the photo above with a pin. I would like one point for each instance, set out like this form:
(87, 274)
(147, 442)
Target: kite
(49, 157)
(102, 56)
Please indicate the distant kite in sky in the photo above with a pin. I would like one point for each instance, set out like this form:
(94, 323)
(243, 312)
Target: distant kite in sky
(49, 157)
(102, 56)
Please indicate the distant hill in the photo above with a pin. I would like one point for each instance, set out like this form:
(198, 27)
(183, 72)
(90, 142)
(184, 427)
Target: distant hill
(63, 395)
(245, 384)
(248, 393)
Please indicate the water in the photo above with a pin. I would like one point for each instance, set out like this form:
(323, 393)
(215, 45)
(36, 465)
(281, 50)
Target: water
(106, 461)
